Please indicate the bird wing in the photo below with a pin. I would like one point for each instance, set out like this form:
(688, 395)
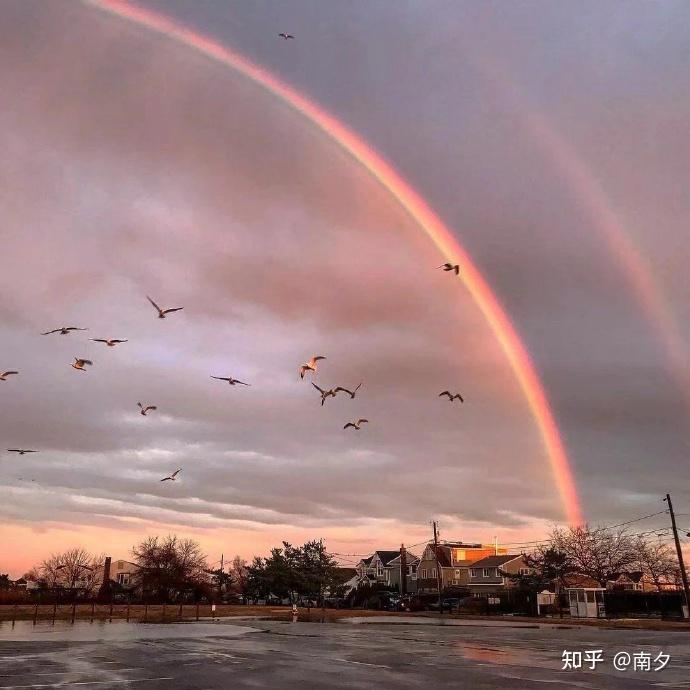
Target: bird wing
(315, 359)
(344, 390)
(119, 341)
(100, 340)
(321, 390)
(31, 451)
(166, 479)
(8, 373)
(462, 400)
(445, 393)
(363, 421)
(154, 304)
(86, 361)
(74, 328)
(348, 424)
(168, 311)
(242, 383)
(220, 378)
(358, 387)
(456, 268)
(176, 472)
(140, 405)
(13, 450)
(57, 330)
(151, 407)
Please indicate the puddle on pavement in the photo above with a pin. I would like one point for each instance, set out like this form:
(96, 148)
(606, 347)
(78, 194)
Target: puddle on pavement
(83, 631)
(504, 656)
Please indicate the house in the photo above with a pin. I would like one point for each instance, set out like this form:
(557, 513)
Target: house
(375, 568)
(453, 559)
(634, 581)
(489, 575)
(119, 572)
(395, 573)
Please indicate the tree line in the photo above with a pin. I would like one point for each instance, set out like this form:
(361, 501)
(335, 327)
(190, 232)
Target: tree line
(172, 569)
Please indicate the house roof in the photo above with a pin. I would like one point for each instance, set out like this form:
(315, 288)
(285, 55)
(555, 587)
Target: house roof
(632, 576)
(410, 559)
(346, 573)
(387, 556)
(495, 561)
(367, 561)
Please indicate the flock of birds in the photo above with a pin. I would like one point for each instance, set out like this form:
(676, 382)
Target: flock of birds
(309, 367)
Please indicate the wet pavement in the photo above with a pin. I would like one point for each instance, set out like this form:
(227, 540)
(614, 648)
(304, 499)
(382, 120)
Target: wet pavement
(276, 655)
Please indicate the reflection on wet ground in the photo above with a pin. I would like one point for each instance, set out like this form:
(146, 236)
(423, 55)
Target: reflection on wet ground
(82, 631)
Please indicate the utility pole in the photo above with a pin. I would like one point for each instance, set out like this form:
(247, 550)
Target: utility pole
(683, 574)
(403, 570)
(439, 575)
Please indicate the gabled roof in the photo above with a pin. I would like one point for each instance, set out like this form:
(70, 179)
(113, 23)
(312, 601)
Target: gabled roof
(495, 561)
(366, 561)
(410, 559)
(387, 556)
(632, 576)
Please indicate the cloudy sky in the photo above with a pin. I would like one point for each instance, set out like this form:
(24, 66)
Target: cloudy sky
(552, 140)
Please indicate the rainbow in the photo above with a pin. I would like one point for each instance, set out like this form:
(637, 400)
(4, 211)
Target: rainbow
(414, 205)
(592, 196)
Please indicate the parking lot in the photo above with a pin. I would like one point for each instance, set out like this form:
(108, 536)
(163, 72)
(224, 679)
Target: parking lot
(411, 653)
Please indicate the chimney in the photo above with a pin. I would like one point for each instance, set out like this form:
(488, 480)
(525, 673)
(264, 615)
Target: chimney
(104, 591)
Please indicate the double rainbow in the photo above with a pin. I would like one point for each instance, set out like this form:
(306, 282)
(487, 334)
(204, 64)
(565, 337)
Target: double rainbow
(413, 204)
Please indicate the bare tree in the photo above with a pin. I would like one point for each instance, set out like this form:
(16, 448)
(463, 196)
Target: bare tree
(169, 567)
(657, 560)
(597, 552)
(238, 572)
(74, 569)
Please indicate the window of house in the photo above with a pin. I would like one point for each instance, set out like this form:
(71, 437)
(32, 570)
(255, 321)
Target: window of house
(120, 565)
(524, 571)
(474, 572)
(457, 572)
(423, 573)
(433, 572)
(488, 572)
(123, 578)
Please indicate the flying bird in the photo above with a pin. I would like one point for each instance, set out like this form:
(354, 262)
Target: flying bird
(452, 397)
(285, 36)
(21, 451)
(172, 476)
(65, 330)
(79, 363)
(163, 312)
(324, 394)
(230, 380)
(450, 267)
(3, 377)
(357, 424)
(349, 392)
(110, 342)
(310, 365)
(145, 410)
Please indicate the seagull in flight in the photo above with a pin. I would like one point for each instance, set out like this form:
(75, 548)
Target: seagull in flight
(310, 365)
(110, 342)
(147, 409)
(230, 380)
(65, 330)
(163, 312)
(172, 477)
(80, 363)
(282, 34)
(324, 394)
(349, 392)
(21, 451)
(356, 425)
(452, 397)
(450, 267)
(3, 377)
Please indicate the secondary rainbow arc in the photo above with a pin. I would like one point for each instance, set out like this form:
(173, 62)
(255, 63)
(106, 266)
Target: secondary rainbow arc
(414, 205)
